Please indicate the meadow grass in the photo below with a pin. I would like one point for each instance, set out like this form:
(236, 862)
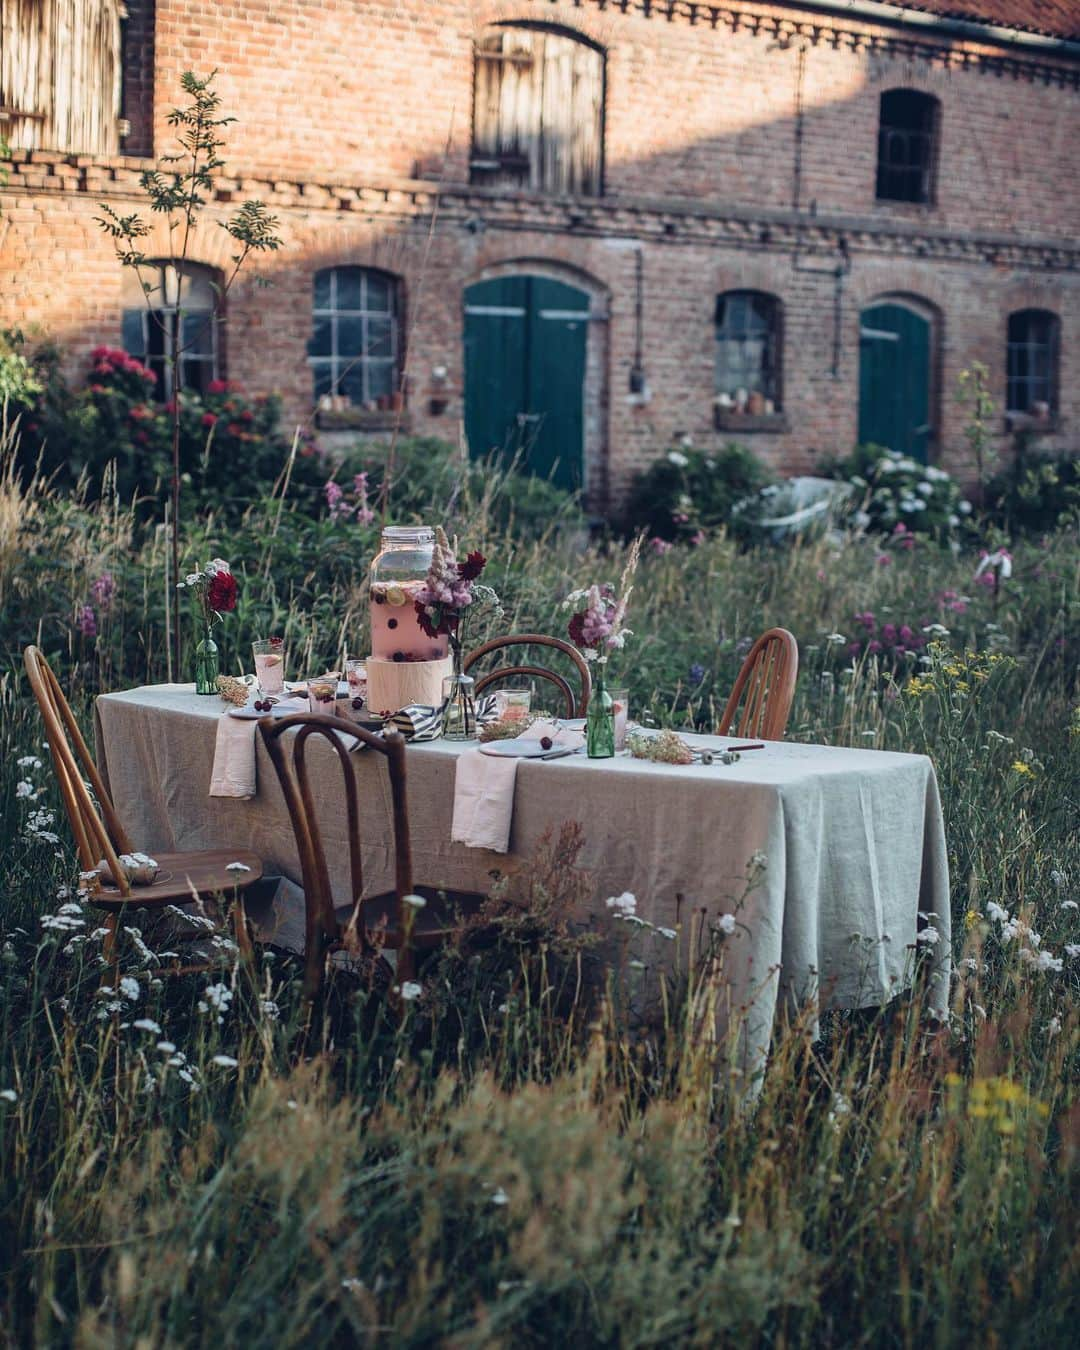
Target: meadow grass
(515, 1162)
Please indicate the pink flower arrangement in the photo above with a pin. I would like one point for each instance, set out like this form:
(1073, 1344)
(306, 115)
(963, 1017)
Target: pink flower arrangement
(448, 590)
(599, 627)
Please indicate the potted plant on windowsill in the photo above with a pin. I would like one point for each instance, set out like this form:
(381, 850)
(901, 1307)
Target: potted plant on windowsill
(747, 415)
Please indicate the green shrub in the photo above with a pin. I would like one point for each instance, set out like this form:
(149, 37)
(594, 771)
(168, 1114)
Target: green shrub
(687, 491)
(893, 490)
(1039, 493)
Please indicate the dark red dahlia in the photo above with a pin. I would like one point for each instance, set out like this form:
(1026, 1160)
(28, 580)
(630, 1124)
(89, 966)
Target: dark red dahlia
(473, 565)
(221, 592)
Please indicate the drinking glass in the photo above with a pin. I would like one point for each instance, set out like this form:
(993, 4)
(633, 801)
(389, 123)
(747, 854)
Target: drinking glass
(270, 665)
(620, 701)
(356, 674)
(512, 705)
(322, 693)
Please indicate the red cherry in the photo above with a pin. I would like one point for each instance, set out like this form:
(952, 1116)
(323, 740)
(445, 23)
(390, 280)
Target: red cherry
(399, 656)
(358, 703)
(391, 623)
(546, 742)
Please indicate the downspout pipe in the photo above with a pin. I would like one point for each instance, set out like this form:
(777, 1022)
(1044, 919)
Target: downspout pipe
(874, 11)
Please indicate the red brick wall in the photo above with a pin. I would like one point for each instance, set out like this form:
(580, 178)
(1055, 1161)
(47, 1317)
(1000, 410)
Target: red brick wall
(341, 100)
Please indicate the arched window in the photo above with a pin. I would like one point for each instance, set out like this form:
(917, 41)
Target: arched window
(908, 132)
(149, 320)
(355, 346)
(1031, 363)
(538, 111)
(748, 345)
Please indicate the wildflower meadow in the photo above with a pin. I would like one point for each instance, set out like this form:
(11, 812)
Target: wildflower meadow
(508, 1156)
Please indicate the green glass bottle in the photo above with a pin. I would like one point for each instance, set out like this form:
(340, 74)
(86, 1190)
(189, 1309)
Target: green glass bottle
(600, 719)
(207, 665)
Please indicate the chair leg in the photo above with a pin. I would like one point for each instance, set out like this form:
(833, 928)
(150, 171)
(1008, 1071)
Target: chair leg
(108, 951)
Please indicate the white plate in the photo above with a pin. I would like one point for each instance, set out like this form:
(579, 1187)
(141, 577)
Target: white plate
(519, 749)
(249, 714)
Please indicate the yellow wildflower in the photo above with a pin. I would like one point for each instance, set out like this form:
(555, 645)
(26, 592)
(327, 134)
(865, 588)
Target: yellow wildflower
(1022, 770)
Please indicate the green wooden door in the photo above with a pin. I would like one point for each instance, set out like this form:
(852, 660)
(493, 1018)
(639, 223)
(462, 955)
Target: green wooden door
(525, 342)
(894, 379)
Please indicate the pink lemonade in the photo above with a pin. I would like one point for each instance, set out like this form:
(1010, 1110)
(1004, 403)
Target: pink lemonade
(395, 633)
(270, 672)
(620, 706)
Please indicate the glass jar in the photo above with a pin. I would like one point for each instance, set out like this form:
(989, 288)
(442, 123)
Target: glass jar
(398, 572)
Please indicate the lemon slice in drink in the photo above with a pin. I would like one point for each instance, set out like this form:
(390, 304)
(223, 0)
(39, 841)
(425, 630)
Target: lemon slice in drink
(395, 595)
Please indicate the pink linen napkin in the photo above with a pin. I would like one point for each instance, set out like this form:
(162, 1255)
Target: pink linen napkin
(233, 774)
(484, 791)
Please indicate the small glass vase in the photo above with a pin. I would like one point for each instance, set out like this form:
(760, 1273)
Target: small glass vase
(600, 720)
(207, 664)
(459, 707)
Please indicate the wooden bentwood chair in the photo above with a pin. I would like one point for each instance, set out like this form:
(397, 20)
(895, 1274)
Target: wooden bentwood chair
(365, 924)
(576, 704)
(767, 684)
(102, 838)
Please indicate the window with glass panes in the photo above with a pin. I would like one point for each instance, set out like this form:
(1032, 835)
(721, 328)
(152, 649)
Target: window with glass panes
(907, 146)
(149, 318)
(355, 344)
(1031, 360)
(748, 344)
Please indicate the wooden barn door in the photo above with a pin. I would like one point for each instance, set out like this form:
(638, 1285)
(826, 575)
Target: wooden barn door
(525, 348)
(894, 379)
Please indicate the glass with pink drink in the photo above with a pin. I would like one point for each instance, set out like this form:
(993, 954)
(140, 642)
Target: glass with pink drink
(269, 656)
(620, 706)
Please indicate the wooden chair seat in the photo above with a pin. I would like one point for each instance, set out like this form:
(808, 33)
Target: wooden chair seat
(100, 835)
(183, 876)
(433, 925)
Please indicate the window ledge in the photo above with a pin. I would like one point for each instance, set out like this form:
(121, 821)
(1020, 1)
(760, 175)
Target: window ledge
(747, 423)
(1018, 421)
(362, 419)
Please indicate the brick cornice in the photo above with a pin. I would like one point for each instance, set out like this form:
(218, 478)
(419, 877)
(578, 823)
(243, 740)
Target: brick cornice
(666, 220)
(787, 23)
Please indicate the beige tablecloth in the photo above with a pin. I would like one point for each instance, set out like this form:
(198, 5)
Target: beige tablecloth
(853, 842)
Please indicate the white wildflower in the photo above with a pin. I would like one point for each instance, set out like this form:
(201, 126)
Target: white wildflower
(1072, 950)
(414, 901)
(726, 924)
(28, 762)
(9, 1095)
(237, 867)
(226, 1061)
(166, 1047)
(668, 933)
(500, 1197)
(24, 788)
(1069, 904)
(1053, 1026)
(677, 458)
(411, 990)
(839, 1108)
(1058, 878)
(270, 1009)
(146, 1024)
(130, 988)
(624, 905)
(995, 912)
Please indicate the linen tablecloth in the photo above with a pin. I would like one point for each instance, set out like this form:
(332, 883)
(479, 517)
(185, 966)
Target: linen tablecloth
(852, 841)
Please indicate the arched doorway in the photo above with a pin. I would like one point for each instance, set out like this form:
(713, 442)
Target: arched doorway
(896, 343)
(526, 340)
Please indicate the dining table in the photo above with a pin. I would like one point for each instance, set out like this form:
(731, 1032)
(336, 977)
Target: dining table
(820, 873)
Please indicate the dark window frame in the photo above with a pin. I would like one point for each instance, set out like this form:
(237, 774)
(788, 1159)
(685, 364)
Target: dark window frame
(340, 363)
(1026, 350)
(742, 317)
(909, 137)
(147, 331)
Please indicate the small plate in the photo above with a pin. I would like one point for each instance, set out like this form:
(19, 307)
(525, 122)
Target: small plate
(519, 749)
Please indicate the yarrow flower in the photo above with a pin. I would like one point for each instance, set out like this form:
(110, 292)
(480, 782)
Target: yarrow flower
(726, 924)
(623, 905)
(410, 990)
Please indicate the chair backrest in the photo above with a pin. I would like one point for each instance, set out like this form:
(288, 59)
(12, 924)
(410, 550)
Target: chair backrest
(765, 686)
(97, 837)
(291, 765)
(576, 704)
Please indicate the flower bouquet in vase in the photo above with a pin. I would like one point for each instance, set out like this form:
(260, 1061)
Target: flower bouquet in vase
(214, 591)
(597, 629)
(447, 603)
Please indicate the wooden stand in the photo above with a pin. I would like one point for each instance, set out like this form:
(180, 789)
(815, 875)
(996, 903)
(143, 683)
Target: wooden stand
(392, 685)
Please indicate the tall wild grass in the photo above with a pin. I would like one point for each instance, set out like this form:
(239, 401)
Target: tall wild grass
(514, 1162)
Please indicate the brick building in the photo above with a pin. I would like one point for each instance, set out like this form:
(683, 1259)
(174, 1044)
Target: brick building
(587, 226)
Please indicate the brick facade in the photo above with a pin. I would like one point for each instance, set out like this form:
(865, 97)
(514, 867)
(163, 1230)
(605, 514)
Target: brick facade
(740, 152)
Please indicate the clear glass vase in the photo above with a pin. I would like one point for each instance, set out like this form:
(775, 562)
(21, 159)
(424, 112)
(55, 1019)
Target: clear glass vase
(600, 719)
(207, 664)
(459, 704)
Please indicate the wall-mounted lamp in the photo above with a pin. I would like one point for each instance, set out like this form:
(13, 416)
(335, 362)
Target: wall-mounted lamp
(639, 381)
(438, 391)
